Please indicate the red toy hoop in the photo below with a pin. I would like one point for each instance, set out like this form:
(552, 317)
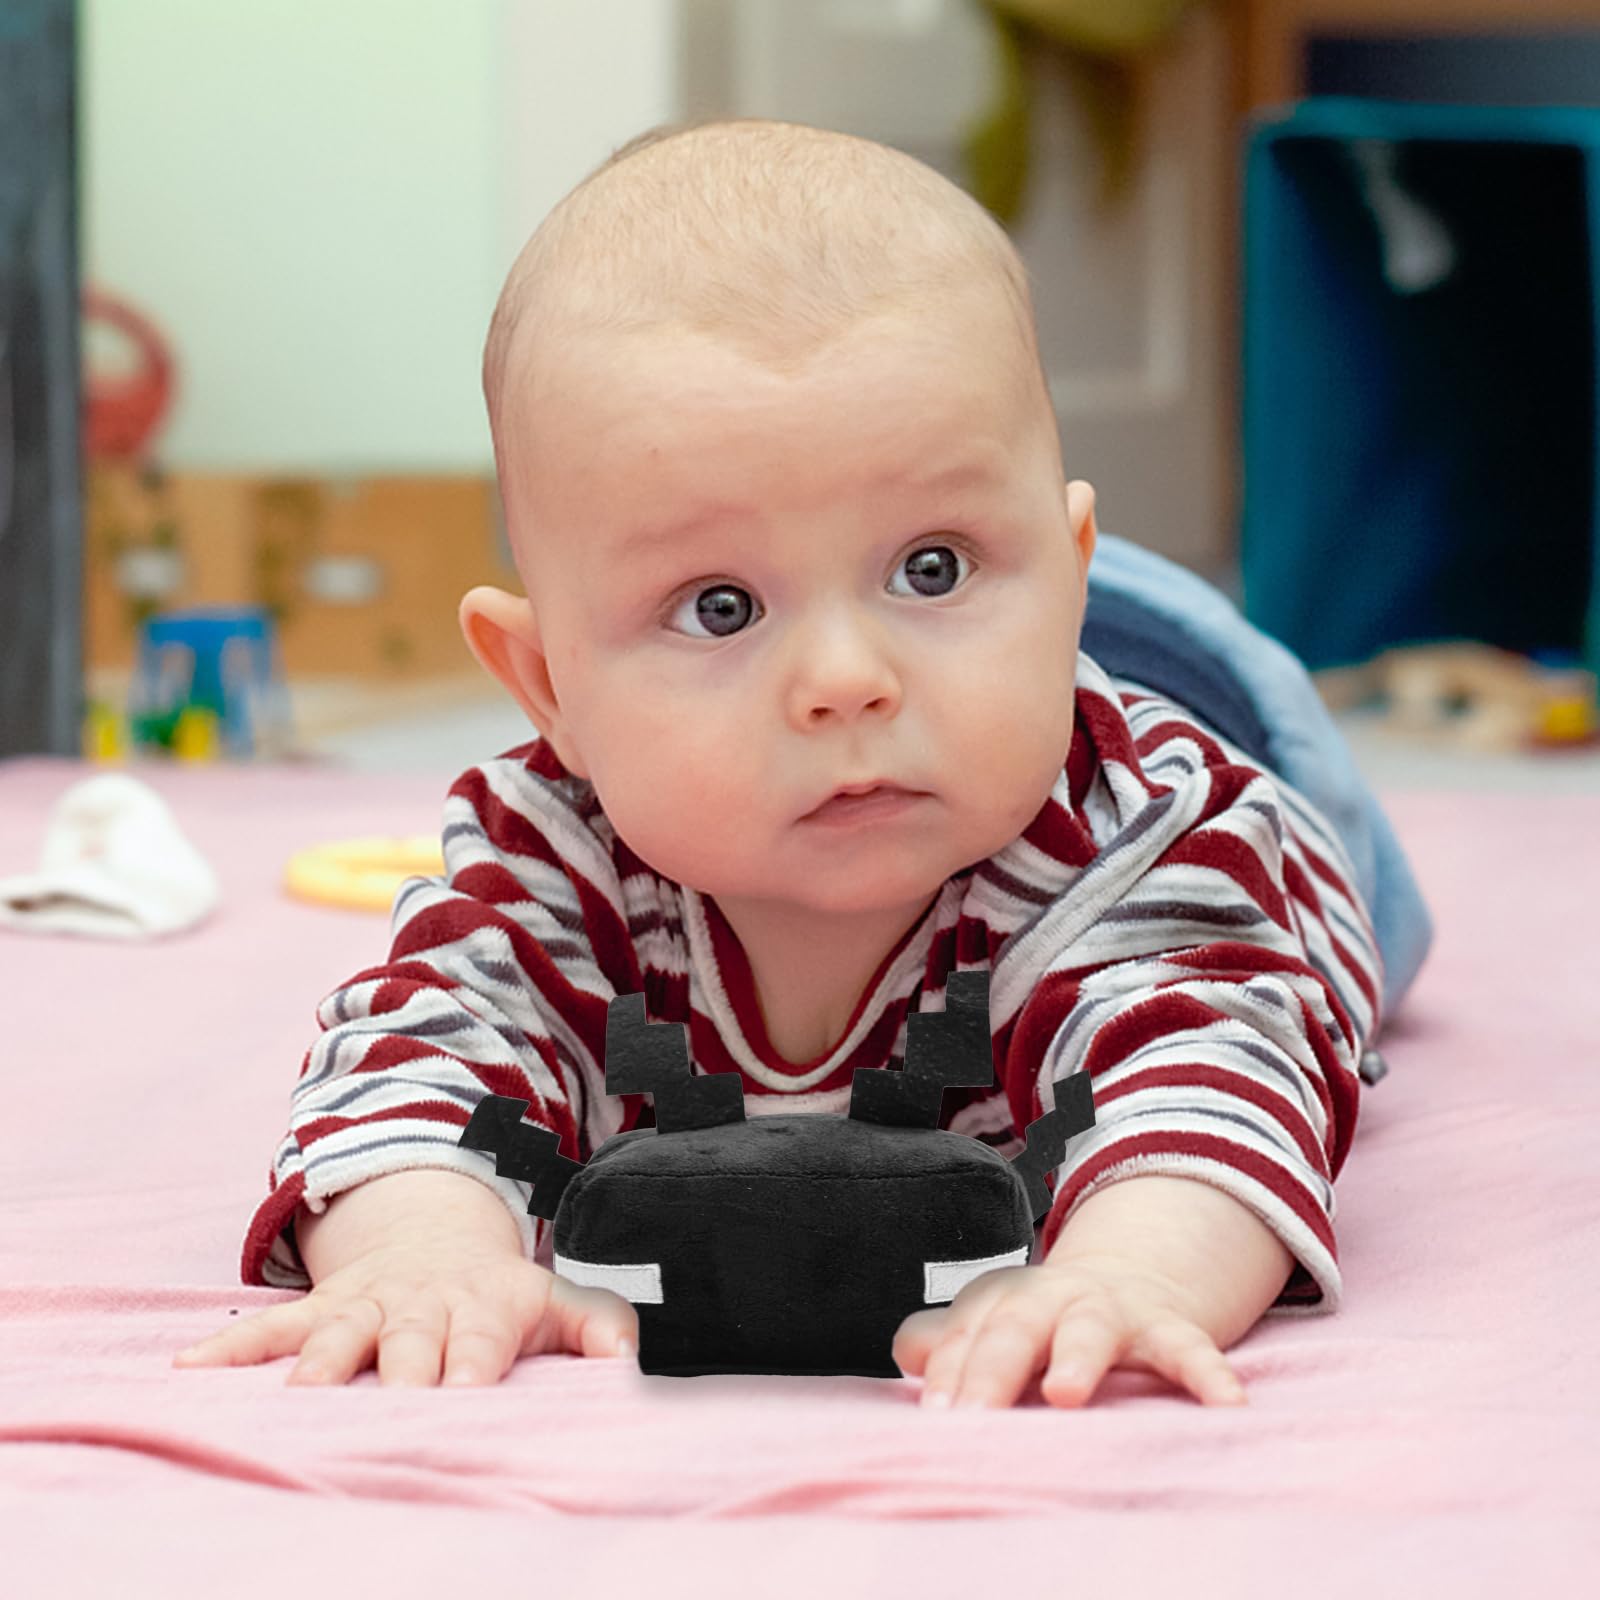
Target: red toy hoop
(122, 414)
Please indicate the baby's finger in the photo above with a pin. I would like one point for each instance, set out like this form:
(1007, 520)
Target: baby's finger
(340, 1345)
(592, 1322)
(411, 1341)
(951, 1336)
(280, 1330)
(1088, 1340)
(916, 1337)
(1187, 1355)
(1008, 1348)
(483, 1342)
(941, 1371)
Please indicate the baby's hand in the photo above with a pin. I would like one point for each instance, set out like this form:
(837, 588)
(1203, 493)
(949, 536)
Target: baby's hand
(415, 1309)
(1074, 1320)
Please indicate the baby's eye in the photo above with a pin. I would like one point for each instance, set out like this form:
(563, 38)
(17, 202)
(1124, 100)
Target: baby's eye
(725, 607)
(931, 567)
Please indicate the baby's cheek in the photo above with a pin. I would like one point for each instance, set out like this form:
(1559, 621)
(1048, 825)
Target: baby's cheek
(682, 820)
(1024, 769)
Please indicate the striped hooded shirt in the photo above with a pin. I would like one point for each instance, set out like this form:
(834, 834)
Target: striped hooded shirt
(1175, 921)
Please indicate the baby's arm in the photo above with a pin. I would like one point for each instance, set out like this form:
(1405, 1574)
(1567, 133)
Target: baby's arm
(424, 1258)
(1221, 1016)
(397, 1208)
(1218, 1256)
(1153, 1271)
(421, 1273)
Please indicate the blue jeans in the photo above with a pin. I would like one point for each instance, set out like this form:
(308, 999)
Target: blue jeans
(1164, 626)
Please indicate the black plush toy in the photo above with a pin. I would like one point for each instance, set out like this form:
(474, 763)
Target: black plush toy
(791, 1243)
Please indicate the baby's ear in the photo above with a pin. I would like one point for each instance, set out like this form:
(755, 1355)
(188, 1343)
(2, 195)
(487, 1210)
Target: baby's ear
(1080, 516)
(502, 631)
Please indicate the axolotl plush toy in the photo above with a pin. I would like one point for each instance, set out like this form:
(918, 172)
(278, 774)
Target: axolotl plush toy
(787, 1243)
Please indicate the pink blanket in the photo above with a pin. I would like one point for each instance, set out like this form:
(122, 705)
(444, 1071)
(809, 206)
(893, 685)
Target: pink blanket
(1440, 1433)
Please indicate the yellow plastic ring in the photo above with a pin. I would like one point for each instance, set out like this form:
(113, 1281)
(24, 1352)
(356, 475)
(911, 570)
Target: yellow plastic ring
(362, 873)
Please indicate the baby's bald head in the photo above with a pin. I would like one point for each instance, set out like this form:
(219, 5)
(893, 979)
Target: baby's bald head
(773, 237)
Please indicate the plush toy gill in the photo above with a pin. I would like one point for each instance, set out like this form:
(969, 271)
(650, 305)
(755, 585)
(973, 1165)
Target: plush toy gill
(787, 1243)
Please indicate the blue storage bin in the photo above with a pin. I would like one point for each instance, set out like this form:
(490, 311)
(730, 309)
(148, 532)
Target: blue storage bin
(1419, 405)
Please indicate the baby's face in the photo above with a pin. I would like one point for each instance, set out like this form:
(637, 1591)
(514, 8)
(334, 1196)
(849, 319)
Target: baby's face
(763, 586)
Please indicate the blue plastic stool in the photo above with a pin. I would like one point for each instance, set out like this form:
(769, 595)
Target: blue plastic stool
(219, 658)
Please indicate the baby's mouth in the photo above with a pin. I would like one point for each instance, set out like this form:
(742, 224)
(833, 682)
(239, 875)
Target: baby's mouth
(880, 800)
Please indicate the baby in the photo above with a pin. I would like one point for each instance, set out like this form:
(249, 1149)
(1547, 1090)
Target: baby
(749, 384)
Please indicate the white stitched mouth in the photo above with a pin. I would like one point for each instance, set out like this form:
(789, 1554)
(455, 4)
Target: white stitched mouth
(640, 1281)
(944, 1280)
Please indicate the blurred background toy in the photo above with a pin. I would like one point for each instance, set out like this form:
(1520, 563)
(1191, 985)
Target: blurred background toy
(207, 681)
(1474, 696)
(363, 874)
(124, 409)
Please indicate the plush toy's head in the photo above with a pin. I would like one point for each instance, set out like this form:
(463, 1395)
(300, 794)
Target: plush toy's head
(787, 1243)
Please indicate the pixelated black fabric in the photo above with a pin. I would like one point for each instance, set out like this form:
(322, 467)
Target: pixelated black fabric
(788, 1243)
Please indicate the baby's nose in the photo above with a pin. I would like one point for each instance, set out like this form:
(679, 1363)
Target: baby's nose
(846, 681)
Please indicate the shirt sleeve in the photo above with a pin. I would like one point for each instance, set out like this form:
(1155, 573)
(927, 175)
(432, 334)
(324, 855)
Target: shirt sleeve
(497, 982)
(1219, 1003)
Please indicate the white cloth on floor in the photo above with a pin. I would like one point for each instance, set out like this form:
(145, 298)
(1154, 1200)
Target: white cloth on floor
(115, 866)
